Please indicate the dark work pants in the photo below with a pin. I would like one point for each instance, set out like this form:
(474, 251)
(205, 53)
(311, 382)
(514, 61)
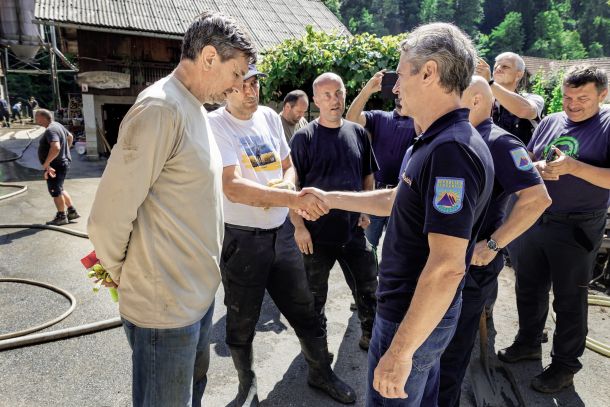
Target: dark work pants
(359, 266)
(480, 288)
(559, 250)
(252, 262)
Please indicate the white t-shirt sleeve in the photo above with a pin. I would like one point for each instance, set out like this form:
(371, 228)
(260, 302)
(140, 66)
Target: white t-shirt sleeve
(222, 136)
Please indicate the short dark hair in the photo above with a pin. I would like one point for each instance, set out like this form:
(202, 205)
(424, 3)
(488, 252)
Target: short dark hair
(221, 32)
(293, 97)
(580, 75)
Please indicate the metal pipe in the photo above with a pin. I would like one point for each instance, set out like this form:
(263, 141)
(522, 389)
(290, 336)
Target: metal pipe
(54, 77)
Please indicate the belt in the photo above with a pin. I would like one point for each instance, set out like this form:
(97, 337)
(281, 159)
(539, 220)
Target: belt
(256, 231)
(381, 185)
(573, 215)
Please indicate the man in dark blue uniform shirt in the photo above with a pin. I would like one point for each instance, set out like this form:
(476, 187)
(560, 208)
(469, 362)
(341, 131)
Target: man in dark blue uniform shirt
(514, 173)
(335, 154)
(572, 153)
(391, 134)
(440, 202)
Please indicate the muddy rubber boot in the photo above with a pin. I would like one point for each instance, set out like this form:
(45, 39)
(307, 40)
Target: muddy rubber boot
(242, 359)
(320, 374)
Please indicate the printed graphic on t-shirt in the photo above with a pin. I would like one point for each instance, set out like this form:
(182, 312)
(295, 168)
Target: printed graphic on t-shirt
(521, 159)
(259, 155)
(568, 144)
(448, 195)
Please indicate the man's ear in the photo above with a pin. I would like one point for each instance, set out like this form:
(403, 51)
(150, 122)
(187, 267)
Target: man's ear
(208, 56)
(429, 71)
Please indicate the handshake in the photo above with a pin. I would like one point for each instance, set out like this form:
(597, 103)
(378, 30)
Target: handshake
(311, 204)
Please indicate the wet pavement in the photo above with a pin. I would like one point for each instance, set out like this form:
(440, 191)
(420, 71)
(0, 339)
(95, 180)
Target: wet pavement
(95, 370)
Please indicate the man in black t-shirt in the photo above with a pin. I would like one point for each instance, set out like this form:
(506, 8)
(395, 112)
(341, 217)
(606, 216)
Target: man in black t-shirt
(54, 156)
(517, 113)
(334, 154)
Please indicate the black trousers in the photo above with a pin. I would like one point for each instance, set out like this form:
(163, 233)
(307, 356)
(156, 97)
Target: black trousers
(480, 288)
(359, 266)
(559, 250)
(255, 261)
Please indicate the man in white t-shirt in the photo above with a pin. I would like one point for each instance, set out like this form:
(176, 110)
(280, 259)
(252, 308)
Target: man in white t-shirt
(259, 252)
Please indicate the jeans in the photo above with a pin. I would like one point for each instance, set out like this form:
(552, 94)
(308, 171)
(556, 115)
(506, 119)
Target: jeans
(170, 365)
(375, 229)
(423, 382)
(252, 262)
(558, 251)
(359, 266)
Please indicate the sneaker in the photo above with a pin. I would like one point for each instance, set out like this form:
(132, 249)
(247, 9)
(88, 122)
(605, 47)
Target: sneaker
(72, 214)
(60, 219)
(553, 378)
(517, 351)
(365, 340)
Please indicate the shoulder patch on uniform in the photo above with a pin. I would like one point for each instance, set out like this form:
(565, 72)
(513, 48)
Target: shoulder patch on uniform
(521, 159)
(448, 195)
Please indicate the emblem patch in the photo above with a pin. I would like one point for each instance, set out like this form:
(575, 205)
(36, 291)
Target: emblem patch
(521, 159)
(448, 195)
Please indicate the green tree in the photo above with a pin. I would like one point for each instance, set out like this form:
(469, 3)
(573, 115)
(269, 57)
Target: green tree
(593, 24)
(334, 6)
(508, 36)
(295, 63)
(468, 15)
(555, 39)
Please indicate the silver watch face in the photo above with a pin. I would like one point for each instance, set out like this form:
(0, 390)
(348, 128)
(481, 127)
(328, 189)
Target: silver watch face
(492, 245)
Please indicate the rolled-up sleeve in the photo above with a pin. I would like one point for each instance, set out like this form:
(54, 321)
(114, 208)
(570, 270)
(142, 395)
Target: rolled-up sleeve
(147, 138)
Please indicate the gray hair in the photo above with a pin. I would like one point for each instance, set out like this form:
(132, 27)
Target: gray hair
(47, 114)
(446, 45)
(519, 62)
(580, 75)
(293, 97)
(327, 77)
(221, 32)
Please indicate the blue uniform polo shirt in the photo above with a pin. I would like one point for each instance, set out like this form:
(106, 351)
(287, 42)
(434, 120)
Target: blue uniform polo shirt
(391, 134)
(445, 188)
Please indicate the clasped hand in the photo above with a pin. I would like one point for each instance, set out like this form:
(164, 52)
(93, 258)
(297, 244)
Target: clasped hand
(312, 203)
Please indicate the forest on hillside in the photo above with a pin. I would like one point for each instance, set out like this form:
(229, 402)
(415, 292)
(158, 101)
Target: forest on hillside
(556, 29)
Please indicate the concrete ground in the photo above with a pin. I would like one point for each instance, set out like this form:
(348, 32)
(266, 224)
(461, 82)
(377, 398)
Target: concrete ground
(95, 370)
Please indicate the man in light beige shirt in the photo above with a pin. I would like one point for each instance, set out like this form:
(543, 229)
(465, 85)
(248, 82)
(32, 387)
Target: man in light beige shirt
(157, 219)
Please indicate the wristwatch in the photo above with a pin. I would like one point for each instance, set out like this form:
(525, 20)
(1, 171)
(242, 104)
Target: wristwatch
(491, 82)
(493, 245)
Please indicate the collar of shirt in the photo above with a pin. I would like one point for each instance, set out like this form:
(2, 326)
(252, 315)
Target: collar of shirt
(484, 128)
(441, 124)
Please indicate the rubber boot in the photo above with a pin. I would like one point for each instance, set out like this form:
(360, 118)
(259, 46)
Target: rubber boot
(320, 375)
(242, 359)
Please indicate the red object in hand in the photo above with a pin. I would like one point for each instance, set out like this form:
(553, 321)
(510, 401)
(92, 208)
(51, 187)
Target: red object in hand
(89, 260)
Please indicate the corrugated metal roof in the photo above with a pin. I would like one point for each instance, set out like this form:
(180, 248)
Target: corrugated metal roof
(549, 66)
(268, 21)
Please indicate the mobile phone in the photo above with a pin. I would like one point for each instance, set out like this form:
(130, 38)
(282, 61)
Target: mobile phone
(551, 155)
(387, 84)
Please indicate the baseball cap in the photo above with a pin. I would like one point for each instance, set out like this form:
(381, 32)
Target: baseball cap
(252, 71)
